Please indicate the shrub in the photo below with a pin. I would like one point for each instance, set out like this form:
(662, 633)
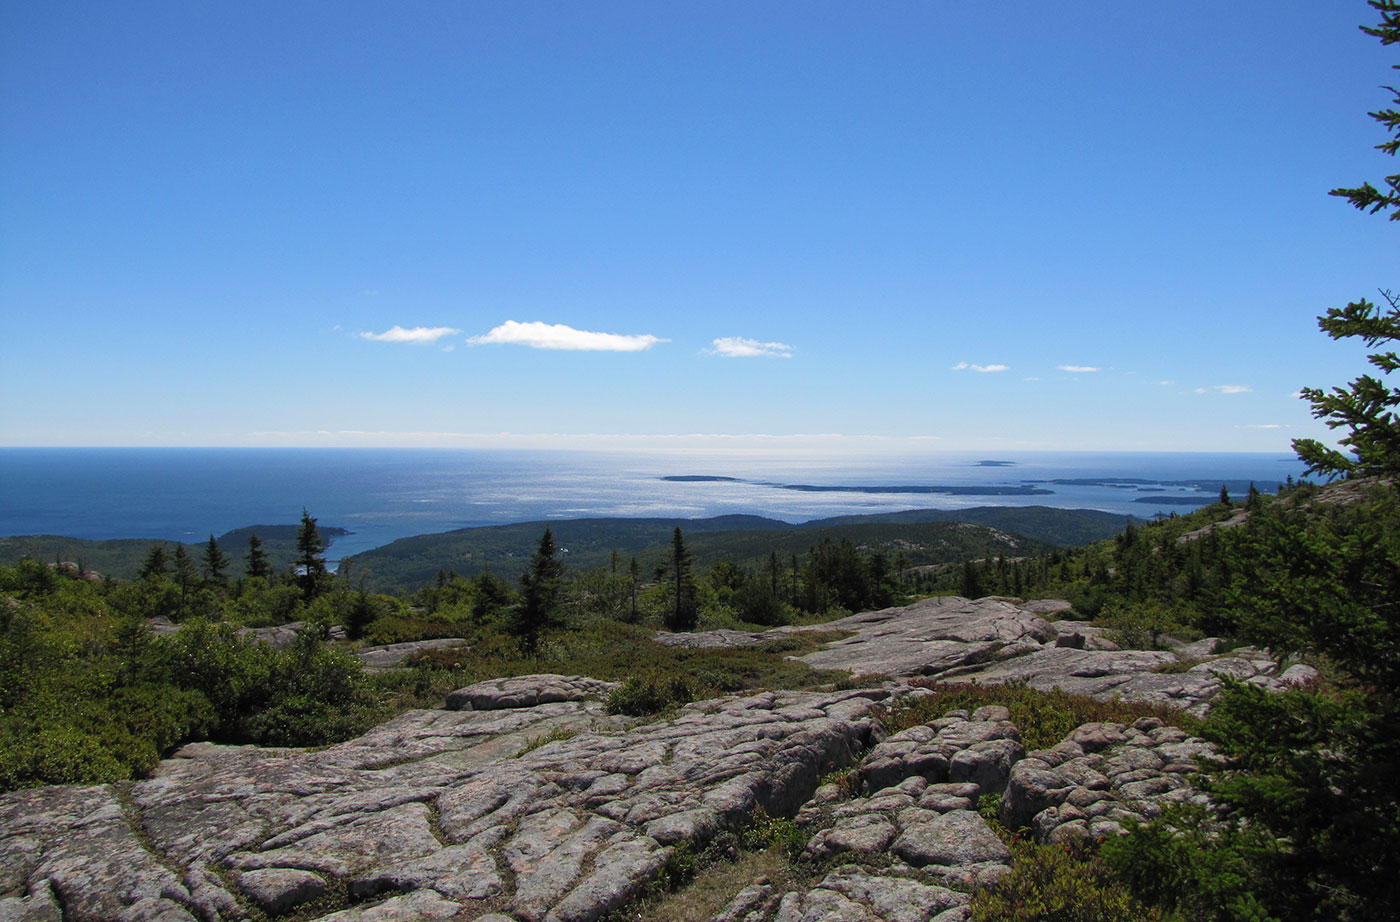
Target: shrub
(761, 831)
(1187, 862)
(1058, 883)
(644, 697)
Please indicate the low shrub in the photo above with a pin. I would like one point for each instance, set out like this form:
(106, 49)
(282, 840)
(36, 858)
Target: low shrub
(1058, 883)
(639, 697)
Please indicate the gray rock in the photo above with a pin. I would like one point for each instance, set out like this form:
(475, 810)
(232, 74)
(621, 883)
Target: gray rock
(864, 832)
(39, 905)
(527, 691)
(278, 890)
(419, 906)
(390, 656)
(856, 894)
(748, 905)
(929, 637)
(960, 837)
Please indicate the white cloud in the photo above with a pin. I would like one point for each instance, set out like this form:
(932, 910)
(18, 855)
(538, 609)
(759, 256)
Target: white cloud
(743, 347)
(538, 335)
(397, 334)
(1077, 369)
(1225, 389)
(1264, 426)
(961, 366)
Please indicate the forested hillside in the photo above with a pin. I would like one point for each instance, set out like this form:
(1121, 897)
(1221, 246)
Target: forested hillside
(918, 537)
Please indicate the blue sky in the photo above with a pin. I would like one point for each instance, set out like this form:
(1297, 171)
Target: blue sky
(892, 226)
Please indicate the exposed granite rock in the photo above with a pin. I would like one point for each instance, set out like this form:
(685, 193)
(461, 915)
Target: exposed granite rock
(1099, 776)
(948, 749)
(425, 817)
(391, 656)
(278, 890)
(719, 639)
(448, 814)
(854, 893)
(527, 691)
(931, 637)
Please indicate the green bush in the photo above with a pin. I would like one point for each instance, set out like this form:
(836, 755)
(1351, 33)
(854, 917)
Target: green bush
(1058, 883)
(1187, 862)
(645, 697)
(761, 831)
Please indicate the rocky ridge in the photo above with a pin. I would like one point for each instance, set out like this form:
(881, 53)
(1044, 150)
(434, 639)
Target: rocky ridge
(451, 814)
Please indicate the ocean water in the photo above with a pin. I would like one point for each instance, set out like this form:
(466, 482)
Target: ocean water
(383, 494)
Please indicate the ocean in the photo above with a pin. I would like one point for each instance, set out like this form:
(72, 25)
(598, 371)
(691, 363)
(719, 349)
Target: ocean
(186, 494)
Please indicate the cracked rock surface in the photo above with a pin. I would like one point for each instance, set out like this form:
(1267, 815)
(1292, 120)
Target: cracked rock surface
(449, 814)
(429, 816)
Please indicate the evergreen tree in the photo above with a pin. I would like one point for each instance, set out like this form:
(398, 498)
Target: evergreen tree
(684, 611)
(1366, 411)
(256, 563)
(490, 596)
(311, 564)
(1311, 771)
(541, 588)
(186, 575)
(634, 573)
(155, 566)
(362, 613)
(215, 562)
(972, 586)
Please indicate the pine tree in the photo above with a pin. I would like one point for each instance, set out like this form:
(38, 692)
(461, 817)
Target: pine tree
(1367, 410)
(541, 587)
(634, 573)
(186, 574)
(311, 565)
(215, 562)
(256, 563)
(155, 566)
(684, 611)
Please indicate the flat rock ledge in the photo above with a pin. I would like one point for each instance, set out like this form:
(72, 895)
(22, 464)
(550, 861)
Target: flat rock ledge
(462, 814)
(996, 640)
(527, 691)
(433, 815)
(445, 815)
(391, 656)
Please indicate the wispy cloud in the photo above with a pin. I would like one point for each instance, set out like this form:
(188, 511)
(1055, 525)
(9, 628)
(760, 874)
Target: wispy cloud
(1264, 426)
(538, 335)
(1225, 389)
(1077, 369)
(963, 366)
(743, 347)
(397, 334)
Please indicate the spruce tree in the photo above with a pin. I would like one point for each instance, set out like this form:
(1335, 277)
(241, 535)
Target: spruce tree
(541, 587)
(256, 563)
(634, 582)
(311, 564)
(684, 610)
(155, 566)
(1367, 411)
(215, 562)
(186, 574)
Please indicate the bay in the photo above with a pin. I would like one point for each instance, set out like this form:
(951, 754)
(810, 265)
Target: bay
(380, 495)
